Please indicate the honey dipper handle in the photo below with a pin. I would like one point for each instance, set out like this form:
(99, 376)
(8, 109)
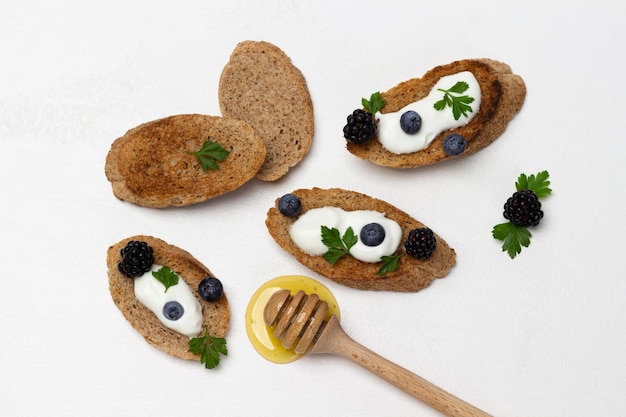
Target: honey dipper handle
(334, 340)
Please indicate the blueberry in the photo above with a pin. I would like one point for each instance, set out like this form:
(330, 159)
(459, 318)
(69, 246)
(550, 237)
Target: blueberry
(289, 205)
(410, 122)
(454, 144)
(372, 234)
(210, 289)
(172, 310)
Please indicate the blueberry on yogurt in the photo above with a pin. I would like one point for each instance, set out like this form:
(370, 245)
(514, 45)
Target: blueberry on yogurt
(173, 310)
(372, 234)
(410, 122)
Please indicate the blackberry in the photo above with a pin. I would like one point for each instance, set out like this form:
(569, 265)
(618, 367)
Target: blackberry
(523, 208)
(361, 126)
(421, 243)
(137, 258)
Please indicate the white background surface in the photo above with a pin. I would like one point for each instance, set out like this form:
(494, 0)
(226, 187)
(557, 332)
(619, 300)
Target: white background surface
(540, 335)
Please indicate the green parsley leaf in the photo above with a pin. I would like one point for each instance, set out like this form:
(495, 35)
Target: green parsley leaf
(210, 154)
(460, 104)
(514, 237)
(209, 348)
(337, 246)
(390, 264)
(374, 104)
(538, 184)
(166, 277)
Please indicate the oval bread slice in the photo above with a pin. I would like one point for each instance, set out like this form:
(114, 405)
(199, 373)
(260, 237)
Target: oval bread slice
(503, 94)
(216, 314)
(262, 87)
(411, 275)
(150, 165)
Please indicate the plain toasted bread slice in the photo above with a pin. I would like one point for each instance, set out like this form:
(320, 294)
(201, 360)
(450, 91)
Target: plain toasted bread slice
(503, 94)
(216, 314)
(150, 165)
(411, 275)
(262, 87)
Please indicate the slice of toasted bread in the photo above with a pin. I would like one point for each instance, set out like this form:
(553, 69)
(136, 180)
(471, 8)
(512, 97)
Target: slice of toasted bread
(503, 94)
(216, 314)
(411, 275)
(261, 86)
(150, 165)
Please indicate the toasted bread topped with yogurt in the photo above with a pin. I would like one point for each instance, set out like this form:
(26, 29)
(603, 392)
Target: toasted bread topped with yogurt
(412, 274)
(215, 314)
(478, 114)
(152, 165)
(261, 86)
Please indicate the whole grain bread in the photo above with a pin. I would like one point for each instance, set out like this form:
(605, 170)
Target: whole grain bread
(262, 87)
(411, 275)
(150, 165)
(216, 314)
(503, 94)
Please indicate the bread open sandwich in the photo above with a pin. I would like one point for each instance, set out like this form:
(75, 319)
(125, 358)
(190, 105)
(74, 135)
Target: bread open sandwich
(454, 110)
(183, 159)
(261, 86)
(170, 298)
(358, 241)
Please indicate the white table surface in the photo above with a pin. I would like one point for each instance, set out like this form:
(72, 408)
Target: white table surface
(540, 335)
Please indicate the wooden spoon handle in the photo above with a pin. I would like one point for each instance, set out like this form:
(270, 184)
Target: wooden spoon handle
(341, 344)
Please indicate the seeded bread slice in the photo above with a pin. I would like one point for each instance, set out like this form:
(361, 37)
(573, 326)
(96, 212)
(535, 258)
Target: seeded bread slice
(262, 87)
(411, 275)
(150, 165)
(503, 94)
(216, 314)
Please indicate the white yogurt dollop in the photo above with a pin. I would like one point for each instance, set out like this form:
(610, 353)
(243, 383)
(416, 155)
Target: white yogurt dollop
(152, 294)
(306, 232)
(434, 121)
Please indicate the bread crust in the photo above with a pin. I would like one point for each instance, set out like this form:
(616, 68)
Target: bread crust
(216, 314)
(149, 166)
(411, 275)
(503, 94)
(261, 86)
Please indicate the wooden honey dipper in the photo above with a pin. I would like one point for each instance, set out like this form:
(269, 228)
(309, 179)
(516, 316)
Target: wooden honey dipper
(299, 324)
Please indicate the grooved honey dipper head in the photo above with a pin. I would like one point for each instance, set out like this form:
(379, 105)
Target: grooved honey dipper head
(296, 319)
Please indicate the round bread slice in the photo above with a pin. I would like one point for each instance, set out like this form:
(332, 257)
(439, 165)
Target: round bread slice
(261, 86)
(216, 314)
(503, 94)
(151, 165)
(412, 274)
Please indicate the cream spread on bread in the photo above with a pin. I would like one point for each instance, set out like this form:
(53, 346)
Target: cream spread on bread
(152, 294)
(306, 231)
(434, 122)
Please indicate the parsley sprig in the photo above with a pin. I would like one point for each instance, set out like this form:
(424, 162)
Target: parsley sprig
(339, 246)
(460, 104)
(166, 277)
(515, 237)
(374, 104)
(210, 154)
(209, 348)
